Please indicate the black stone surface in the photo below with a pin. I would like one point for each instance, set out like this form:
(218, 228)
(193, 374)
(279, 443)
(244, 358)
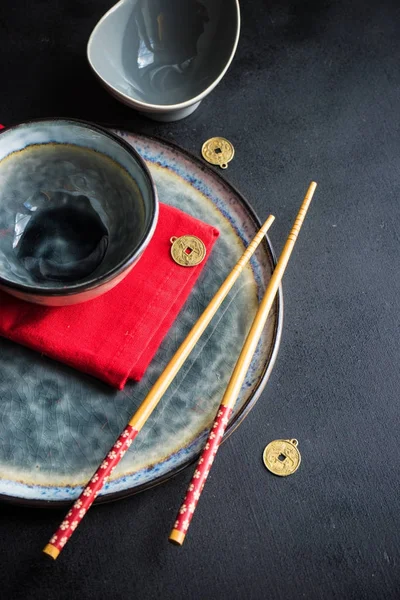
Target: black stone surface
(313, 93)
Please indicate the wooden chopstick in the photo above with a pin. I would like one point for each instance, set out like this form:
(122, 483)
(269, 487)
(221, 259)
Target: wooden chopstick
(88, 495)
(186, 511)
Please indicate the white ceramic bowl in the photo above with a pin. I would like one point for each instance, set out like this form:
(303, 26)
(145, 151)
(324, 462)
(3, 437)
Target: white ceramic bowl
(162, 57)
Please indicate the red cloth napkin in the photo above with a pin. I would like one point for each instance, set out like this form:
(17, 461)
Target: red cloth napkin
(114, 337)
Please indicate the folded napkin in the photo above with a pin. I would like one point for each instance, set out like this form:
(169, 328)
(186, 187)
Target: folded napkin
(115, 336)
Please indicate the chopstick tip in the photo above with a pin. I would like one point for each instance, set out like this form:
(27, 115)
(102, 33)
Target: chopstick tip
(51, 551)
(177, 537)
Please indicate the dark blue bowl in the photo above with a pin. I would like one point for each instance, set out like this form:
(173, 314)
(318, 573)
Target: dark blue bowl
(77, 209)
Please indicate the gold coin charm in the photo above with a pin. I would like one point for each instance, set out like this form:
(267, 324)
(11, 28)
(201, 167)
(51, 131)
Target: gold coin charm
(218, 151)
(282, 457)
(187, 250)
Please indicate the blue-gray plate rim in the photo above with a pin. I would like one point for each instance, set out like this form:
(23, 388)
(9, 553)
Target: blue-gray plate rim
(265, 371)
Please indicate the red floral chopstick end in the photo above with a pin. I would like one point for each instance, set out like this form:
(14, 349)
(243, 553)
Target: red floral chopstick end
(87, 497)
(200, 475)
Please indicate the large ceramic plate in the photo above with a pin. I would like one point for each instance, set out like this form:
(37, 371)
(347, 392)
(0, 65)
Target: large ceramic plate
(56, 424)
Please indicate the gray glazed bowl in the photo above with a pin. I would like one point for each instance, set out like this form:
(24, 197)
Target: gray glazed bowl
(162, 57)
(77, 209)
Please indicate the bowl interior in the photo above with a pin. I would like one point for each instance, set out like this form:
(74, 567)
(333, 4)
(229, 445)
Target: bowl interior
(164, 52)
(75, 205)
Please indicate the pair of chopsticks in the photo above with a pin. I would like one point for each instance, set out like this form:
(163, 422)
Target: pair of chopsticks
(177, 536)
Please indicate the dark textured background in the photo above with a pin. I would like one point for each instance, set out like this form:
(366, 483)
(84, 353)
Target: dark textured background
(312, 93)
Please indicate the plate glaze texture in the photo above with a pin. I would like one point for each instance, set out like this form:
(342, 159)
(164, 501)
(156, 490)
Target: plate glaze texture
(56, 424)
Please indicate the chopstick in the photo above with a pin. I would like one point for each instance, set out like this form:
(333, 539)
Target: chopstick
(88, 495)
(188, 506)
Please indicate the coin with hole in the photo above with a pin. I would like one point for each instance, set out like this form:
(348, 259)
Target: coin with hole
(282, 457)
(218, 151)
(187, 250)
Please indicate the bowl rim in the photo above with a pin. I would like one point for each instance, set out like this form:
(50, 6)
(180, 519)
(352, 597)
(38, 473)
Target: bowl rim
(124, 264)
(147, 107)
